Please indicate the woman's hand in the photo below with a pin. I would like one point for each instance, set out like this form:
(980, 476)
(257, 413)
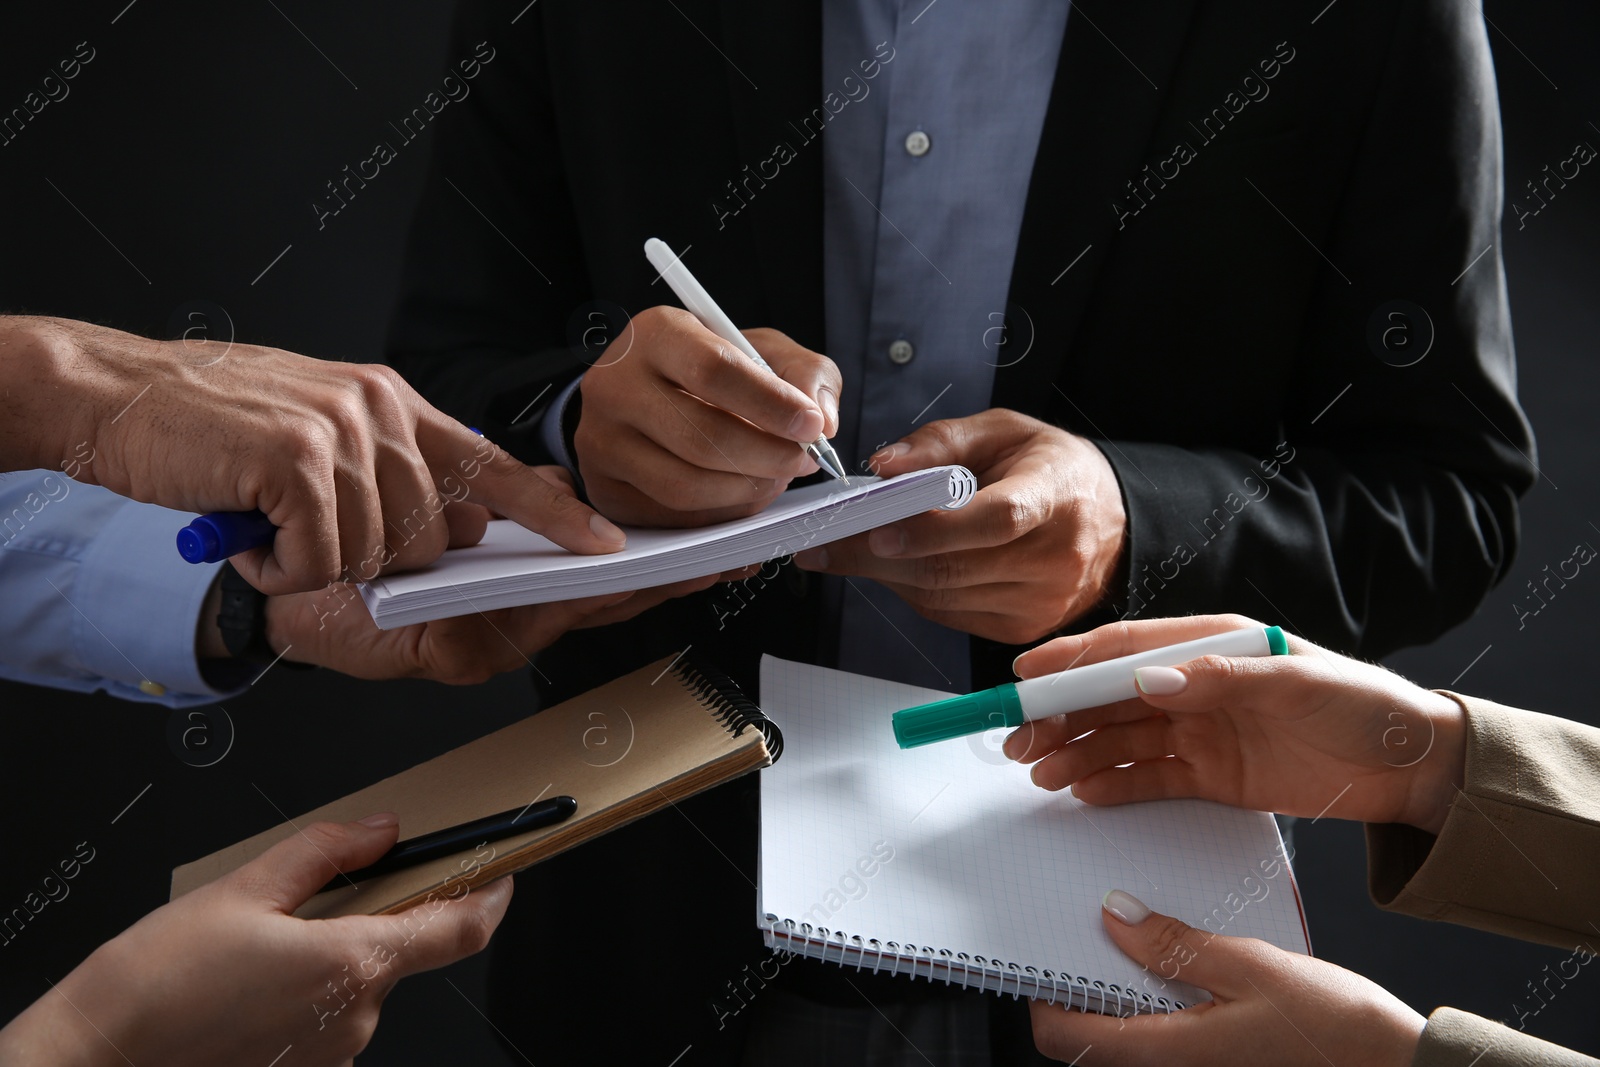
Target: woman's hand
(1312, 733)
(1268, 1006)
(227, 974)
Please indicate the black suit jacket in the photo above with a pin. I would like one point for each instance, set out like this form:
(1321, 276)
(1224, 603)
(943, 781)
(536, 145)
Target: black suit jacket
(1230, 205)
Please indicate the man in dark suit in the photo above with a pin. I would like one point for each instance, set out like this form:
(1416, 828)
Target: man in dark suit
(1206, 294)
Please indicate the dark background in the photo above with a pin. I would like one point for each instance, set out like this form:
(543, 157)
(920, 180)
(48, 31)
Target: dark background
(196, 142)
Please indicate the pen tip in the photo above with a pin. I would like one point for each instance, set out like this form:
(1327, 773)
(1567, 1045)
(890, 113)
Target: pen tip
(829, 461)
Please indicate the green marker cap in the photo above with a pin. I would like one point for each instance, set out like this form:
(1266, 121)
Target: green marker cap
(1277, 642)
(958, 716)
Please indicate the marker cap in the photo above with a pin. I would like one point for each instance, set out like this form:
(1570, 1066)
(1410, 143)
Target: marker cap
(958, 716)
(198, 542)
(213, 538)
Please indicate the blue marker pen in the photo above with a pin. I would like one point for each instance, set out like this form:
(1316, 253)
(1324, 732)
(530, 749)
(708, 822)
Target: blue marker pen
(213, 538)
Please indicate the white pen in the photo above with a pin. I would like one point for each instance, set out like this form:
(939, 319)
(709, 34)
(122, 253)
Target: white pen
(702, 307)
(1073, 689)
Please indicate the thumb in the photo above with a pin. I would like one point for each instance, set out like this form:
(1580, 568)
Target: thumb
(1175, 951)
(291, 872)
(977, 442)
(812, 373)
(497, 481)
(445, 927)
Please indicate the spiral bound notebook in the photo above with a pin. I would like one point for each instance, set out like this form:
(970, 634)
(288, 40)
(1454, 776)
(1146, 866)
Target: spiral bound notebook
(624, 750)
(514, 566)
(946, 863)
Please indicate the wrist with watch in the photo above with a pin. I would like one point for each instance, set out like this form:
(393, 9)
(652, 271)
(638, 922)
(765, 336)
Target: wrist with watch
(242, 621)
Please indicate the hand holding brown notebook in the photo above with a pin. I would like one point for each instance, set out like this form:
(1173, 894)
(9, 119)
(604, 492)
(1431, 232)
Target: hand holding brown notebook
(627, 749)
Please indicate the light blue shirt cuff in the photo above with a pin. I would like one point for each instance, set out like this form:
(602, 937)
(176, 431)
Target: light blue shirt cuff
(151, 638)
(97, 597)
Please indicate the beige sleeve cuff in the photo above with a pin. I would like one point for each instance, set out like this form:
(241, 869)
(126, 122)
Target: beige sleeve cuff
(1456, 1039)
(1519, 852)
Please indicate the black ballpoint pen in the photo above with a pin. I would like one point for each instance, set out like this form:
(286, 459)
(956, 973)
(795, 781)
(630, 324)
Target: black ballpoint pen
(460, 838)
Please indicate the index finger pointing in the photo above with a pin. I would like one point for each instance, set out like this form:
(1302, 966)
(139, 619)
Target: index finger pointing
(473, 468)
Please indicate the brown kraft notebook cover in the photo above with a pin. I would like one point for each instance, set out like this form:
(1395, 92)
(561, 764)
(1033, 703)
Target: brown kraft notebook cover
(624, 750)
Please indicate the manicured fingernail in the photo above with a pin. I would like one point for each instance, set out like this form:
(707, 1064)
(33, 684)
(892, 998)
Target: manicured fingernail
(829, 404)
(380, 821)
(1125, 907)
(887, 541)
(606, 530)
(1160, 681)
(812, 559)
(1014, 746)
(806, 425)
(884, 455)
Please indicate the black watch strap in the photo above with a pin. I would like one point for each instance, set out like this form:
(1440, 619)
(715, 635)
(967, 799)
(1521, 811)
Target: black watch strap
(243, 618)
(243, 621)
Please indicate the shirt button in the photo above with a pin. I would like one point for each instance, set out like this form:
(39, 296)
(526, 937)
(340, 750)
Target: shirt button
(900, 352)
(152, 689)
(918, 143)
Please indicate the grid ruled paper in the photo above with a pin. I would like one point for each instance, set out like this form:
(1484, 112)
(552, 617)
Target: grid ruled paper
(951, 846)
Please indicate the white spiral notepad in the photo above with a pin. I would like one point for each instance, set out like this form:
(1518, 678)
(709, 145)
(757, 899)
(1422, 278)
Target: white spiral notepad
(947, 863)
(513, 566)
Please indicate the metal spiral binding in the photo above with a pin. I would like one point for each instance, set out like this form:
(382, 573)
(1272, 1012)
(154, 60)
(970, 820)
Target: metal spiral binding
(723, 697)
(975, 971)
(963, 484)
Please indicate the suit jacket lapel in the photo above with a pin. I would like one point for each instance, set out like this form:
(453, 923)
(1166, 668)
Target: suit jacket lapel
(1117, 63)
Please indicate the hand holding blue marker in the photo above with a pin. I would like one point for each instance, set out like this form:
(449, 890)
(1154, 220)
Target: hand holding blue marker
(216, 535)
(1073, 689)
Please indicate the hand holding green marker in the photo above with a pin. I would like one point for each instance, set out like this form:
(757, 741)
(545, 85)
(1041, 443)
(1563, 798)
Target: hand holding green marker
(1073, 689)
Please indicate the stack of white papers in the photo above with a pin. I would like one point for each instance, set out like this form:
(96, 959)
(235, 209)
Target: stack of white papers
(513, 566)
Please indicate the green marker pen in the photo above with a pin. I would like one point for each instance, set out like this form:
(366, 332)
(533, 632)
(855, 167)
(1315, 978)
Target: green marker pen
(1073, 689)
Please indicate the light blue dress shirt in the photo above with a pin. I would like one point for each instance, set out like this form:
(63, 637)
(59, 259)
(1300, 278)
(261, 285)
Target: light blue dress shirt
(95, 595)
(924, 181)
